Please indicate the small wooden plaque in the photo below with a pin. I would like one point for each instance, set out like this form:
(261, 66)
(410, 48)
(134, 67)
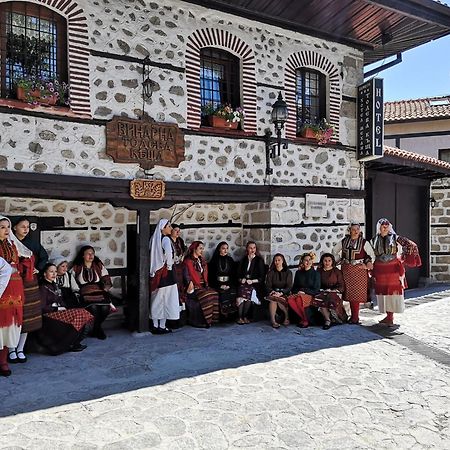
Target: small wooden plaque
(147, 189)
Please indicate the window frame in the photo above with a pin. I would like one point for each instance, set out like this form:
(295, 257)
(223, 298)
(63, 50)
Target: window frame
(41, 12)
(322, 96)
(442, 151)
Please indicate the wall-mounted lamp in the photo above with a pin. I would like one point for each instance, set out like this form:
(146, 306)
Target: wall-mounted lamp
(273, 145)
(147, 83)
(433, 202)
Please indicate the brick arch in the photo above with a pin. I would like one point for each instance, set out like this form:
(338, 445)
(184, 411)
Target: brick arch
(211, 37)
(313, 60)
(78, 51)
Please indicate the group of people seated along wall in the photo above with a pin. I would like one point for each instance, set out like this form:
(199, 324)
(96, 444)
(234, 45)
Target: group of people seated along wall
(182, 280)
(57, 307)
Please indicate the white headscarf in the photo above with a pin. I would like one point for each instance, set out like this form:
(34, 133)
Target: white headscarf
(156, 251)
(58, 260)
(12, 239)
(391, 232)
(5, 274)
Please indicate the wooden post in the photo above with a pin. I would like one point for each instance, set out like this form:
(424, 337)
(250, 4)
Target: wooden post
(143, 265)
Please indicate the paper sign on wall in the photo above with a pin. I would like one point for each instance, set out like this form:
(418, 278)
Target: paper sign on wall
(316, 205)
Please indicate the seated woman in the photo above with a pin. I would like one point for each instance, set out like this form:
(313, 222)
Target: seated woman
(198, 291)
(94, 283)
(279, 284)
(332, 287)
(222, 277)
(63, 329)
(66, 283)
(306, 285)
(251, 275)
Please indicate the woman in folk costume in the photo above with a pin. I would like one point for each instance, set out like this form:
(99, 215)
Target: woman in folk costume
(198, 291)
(11, 291)
(356, 256)
(164, 300)
(32, 313)
(388, 271)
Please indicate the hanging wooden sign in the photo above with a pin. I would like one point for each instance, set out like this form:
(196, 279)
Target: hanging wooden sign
(147, 189)
(145, 142)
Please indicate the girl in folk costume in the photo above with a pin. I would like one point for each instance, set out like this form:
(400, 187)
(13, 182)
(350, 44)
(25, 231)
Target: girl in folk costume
(388, 271)
(251, 274)
(11, 291)
(94, 283)
(279, 284)
(332, 288)
(164, 300)
(356, 256)
(179, 250)
(306, 285)
(196, 275)
(32, 314)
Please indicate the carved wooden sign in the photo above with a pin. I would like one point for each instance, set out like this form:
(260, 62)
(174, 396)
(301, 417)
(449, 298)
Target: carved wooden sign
(145, 142)
(147, 189)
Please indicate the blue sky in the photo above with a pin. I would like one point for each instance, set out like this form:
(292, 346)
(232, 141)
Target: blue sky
(424, 72)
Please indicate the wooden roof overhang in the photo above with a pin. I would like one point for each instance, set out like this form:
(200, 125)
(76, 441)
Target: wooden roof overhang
(401, 166)
(380, 28)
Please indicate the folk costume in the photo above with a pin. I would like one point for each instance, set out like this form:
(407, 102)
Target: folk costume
(63, 327)
(12, 297)
(179, 250)
(67, 285)
(332, 288)
(223, 278)
(353, 255)
(94, 283)
(389, 272)
(251, 275)
(278, 284)
(306, 286)
(196, 270)
(164, 299)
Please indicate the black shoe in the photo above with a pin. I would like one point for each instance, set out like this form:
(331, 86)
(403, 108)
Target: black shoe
(155, 330)
(14, 360)
(78, 348)
(21, 360)
(100, 334)
(327, 325)
(164, 330)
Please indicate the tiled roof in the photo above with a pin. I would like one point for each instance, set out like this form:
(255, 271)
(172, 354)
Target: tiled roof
(397, 152)
(416, 109)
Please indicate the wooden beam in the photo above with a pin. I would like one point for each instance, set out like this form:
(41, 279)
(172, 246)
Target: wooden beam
(143, 265)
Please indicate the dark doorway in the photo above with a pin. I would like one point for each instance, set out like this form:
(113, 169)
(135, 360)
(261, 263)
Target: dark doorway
(405, 202)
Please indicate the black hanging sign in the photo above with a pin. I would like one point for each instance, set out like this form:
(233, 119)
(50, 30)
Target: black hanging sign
(370, 120)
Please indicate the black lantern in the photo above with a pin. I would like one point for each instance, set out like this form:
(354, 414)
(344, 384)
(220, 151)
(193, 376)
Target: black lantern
(273, 145)
(433, 202)
(147, 83)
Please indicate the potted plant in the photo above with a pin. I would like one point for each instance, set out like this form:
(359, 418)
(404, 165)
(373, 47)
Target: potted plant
(45, 92)
(321, 131)
(223, 116)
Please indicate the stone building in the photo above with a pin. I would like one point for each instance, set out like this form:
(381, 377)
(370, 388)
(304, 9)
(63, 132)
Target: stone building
(422, 126)
(56, 164)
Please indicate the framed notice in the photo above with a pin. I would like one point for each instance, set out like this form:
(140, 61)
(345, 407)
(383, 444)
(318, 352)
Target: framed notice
(370, 127)
(316, 205)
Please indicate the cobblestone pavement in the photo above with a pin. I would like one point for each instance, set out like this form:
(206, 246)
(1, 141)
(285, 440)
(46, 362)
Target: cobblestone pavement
(237, 387)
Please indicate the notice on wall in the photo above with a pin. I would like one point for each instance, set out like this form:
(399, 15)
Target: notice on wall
(145, 142)
(316, 205)
(370, 115)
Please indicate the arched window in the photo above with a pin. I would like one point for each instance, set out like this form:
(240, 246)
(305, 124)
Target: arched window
(310, 97)
(33, 45)
(219, 78)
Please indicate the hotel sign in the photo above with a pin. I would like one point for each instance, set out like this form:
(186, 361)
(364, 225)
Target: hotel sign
(145, 142)
(370, 120)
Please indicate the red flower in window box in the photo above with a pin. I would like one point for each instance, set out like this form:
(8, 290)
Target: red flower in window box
(223, 116)
(322, 132)
(36, 91)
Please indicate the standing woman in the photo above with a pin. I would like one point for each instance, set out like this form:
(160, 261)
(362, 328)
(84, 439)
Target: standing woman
(306, 285)
(389, 272)
(32, 314)
(179, 250)
(12, 294)
(94, 283)
(222, 277)
(278, 284)
(332, 288)
(164, 301)
(198, 291)
(251, 274)
(356, 256)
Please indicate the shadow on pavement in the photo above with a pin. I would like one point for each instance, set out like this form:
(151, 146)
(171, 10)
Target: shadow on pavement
(126, 362)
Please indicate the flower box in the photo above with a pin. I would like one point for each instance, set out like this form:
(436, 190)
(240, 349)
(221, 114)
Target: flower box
(220, 122)
(31, 96)
(308, 133)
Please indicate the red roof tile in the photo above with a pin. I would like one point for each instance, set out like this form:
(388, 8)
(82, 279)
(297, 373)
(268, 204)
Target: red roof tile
(399, 153)
(416, 109)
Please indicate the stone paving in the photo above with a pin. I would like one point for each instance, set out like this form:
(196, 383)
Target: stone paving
(236, 387)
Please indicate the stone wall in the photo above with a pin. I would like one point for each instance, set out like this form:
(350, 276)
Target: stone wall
(440, 231)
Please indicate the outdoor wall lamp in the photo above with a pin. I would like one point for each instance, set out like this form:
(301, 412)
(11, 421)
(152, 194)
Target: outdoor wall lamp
(147, 84)
(273, 145)
(433, 202)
